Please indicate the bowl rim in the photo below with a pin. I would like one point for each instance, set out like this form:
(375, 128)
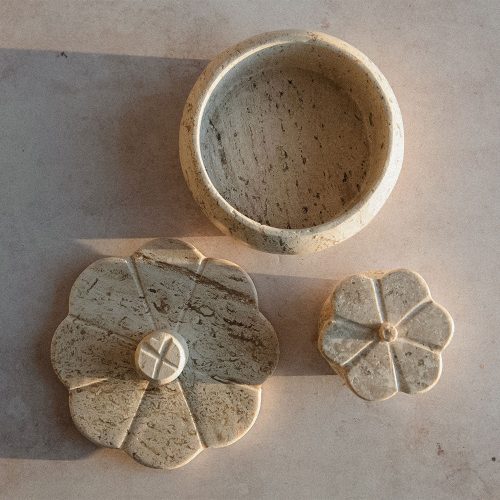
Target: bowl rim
(361, 212)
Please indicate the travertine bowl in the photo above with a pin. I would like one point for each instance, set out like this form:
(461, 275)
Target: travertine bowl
(291, 141)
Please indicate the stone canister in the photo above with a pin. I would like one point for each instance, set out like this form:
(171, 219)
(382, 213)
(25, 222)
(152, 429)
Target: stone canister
(291, 141)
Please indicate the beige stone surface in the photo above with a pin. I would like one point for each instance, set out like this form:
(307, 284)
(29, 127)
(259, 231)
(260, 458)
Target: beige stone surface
(161, 356)
(192, 382)
(383, 333)
(89, 168)
(291, 141)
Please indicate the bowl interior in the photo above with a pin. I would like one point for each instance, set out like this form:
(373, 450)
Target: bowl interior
(295, 134)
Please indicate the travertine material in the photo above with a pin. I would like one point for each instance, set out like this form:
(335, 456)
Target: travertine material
(161, 356)
(383, 333)
(291, 141)
(164, 353)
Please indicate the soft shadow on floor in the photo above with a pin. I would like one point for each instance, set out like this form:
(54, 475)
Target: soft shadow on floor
(90, 145)
(293, 305)
(91, 148)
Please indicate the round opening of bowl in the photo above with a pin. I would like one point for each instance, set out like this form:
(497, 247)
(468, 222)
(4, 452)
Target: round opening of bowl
(295, 134)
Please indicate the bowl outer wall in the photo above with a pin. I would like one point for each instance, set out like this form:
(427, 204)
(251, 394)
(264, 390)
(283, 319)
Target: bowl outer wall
(232, 222)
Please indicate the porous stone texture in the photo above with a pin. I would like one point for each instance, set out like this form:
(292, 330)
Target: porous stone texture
(383, 333)
(164, 353)
(291, 141)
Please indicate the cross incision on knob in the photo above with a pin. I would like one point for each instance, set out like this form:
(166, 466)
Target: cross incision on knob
(161, 356)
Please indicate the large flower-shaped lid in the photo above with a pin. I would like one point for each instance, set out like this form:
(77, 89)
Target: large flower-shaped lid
(164, 353)
(383, 333)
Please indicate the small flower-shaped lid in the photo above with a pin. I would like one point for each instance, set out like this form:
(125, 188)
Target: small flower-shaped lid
(164, 353)
(383, 333)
